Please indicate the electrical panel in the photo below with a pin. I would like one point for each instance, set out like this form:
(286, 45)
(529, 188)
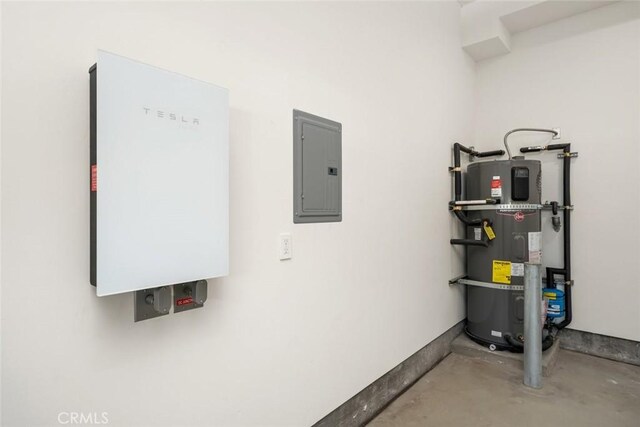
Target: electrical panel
(317, 169)
(159, 179)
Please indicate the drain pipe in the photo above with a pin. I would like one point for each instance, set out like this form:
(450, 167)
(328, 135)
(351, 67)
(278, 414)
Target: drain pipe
(532, 326)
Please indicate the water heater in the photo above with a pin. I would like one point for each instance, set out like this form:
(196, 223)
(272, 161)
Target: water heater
(493, 312)
(159, 177)
(499, 203)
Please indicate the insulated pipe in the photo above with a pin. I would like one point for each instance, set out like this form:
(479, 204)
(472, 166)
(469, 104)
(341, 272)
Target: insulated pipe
(532, 326)
(457, 148)
(506, 145)
(550, 147)
(562, 146)
(470, 222)
(490, 153)
(566, 190)
(551, 273)
(457, 173)
(469, 242)
(566, 213)
(532, 149)
(478, 202)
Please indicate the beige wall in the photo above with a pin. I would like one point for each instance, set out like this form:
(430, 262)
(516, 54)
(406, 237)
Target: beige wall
(581, 74)
(278, 343)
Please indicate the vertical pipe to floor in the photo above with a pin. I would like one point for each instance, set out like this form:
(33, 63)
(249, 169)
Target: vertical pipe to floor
(532, 326)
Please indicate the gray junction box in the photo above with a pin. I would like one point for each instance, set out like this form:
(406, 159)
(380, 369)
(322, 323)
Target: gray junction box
(317, 169)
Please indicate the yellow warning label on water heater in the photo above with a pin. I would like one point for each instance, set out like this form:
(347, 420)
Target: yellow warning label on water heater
(501, 272)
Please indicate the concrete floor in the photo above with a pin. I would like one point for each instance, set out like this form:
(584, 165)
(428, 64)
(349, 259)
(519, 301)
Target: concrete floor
(581, 391)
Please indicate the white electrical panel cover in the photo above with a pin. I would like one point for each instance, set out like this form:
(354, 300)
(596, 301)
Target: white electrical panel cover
(161, 177)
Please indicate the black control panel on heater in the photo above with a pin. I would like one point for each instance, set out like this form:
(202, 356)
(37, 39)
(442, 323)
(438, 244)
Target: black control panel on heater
(519, 183)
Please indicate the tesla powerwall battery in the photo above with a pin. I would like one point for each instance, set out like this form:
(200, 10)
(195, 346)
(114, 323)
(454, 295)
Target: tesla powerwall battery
(159, 177)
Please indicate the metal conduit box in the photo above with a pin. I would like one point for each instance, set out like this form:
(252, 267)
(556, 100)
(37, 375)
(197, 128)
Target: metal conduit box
(317, 169)
(159, 178)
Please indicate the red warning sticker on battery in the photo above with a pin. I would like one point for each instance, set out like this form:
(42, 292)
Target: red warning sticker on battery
(184, 301)
(94, 177)
(496, 187)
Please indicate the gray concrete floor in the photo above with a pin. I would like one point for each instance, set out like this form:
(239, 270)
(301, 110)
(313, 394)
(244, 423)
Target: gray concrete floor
(581, 391)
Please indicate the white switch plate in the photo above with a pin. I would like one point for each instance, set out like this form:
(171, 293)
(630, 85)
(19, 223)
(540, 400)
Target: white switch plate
(286, 249)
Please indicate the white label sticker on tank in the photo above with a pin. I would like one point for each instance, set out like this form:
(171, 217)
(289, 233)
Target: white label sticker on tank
(477, 233)
(535, 257)
(496, 334)
(535, 240)
(517, 269)
(535, 247)
(496, 187)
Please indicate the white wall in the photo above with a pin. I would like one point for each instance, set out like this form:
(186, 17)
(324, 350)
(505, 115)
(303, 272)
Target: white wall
(0, 217)
(278, 343)
(581, 74)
